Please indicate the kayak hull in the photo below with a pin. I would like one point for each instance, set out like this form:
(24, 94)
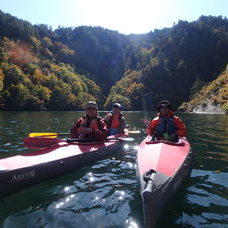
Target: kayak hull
(21, 171)
(161, 169)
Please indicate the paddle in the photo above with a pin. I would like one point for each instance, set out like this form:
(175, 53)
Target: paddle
(47, 134)
(41, 142)
(124, 139)
(134, 132)
(52, 134)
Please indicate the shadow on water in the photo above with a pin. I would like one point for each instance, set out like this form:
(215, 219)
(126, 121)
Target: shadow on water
(175, 209)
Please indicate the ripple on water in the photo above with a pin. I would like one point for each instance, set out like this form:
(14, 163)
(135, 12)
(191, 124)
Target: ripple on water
(208, 193)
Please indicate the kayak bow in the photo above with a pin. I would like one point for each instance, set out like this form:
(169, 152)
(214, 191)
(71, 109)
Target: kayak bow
(161, 168)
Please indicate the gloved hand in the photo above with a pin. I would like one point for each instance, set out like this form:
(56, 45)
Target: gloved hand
(166, 136)
(173, 137)
(83, 130)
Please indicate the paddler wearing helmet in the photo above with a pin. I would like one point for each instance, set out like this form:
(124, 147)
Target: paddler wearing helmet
(166, 125)
(114, 120)
(91, 125)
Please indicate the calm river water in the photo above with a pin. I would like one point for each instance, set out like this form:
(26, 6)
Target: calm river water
(105, 193)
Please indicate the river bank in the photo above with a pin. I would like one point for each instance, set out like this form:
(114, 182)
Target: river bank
(208, 108)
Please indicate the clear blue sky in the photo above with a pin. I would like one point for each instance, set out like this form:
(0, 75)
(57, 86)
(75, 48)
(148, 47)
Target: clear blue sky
(125, 16)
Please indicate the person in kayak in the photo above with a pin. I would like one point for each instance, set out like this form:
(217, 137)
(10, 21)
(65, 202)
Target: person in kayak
(114, 120)
(166, 125)
(90, 126)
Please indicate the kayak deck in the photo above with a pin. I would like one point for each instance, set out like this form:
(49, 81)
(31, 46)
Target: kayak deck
(21, 171)
(55, 152)
(162, 157)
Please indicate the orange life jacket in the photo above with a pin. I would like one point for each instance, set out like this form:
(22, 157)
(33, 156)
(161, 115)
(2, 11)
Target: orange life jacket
(176, 121)
(115, 121)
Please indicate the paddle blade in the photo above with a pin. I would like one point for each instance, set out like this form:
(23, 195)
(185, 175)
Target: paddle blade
(43, 134)
(134, 132)
(125, 139)
(40, 142)
(47, 134)
(120, 137)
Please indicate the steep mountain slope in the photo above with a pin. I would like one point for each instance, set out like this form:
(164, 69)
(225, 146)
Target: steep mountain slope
(212, 98)
(172, 61)
(100, 53)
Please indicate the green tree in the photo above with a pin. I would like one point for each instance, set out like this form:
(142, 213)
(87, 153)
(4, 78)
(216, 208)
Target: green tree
(197, 86)
(126, 103)
(16, 96)
(1, 89)
(59, 97)
(1, 81)
(33, 103)
(77, 88)
(13, 75)
(43, 94)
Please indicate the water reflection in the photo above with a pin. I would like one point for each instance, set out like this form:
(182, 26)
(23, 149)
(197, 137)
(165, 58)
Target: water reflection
(130, 223)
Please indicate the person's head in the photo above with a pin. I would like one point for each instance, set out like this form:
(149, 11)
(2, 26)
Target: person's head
(164, 107)
(116, 108)
(91, 108)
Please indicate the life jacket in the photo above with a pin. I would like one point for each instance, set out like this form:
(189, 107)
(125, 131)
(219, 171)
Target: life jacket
(114, 121)
(90, 122)
(166, 125)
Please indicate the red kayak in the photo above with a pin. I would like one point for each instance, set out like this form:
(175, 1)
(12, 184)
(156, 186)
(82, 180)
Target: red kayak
(23, 170)
(161, 169)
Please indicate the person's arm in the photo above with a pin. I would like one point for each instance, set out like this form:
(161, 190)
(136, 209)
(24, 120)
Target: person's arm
(99, 133)
(181, 129)
(74, 129)
(107, 117)
(152, 126)
(122, 125)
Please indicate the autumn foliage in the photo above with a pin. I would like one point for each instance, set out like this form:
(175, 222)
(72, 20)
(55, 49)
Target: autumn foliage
(45, 69)
(19, 52)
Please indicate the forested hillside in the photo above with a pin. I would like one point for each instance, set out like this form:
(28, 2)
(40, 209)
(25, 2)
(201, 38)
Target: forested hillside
(45, 69)
(170, 61)
(211, 97)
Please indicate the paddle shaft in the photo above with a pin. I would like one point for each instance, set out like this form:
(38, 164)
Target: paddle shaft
(53, 134)
(41, 142)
